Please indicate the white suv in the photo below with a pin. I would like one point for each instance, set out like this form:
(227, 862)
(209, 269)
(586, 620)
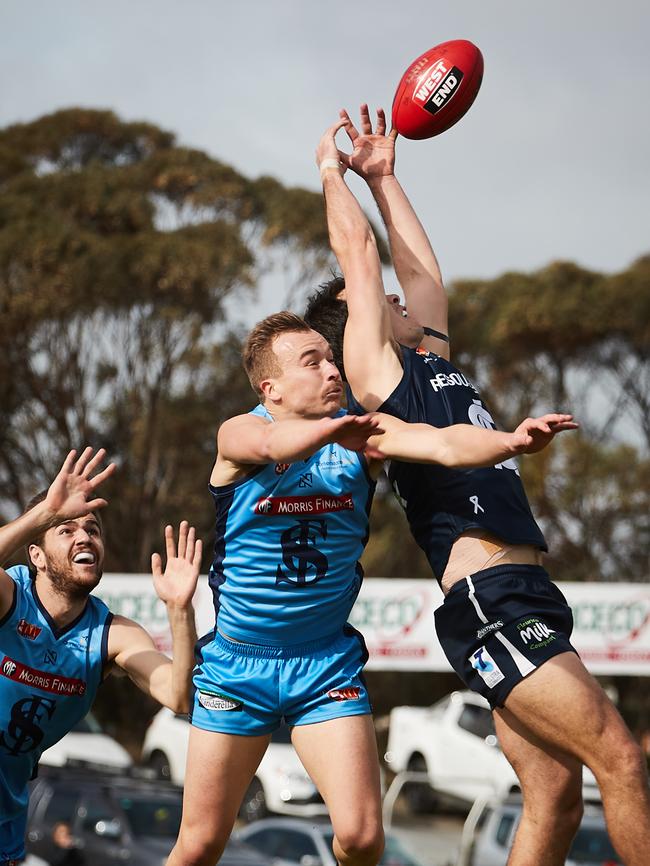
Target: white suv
(281, 783)
(455, 744)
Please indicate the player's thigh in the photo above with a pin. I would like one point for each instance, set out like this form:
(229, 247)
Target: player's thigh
(548, 775)
(219, 770)
(341, 757)
(562, 704)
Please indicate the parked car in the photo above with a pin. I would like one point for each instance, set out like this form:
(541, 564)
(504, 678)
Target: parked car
(295, 842)
(114, 818)
(281, 783)
(87, 741)
(491, 826)
(454, 743)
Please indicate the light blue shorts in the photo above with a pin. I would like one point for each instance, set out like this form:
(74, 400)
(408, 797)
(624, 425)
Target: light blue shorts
(12, 839)
(250, 689)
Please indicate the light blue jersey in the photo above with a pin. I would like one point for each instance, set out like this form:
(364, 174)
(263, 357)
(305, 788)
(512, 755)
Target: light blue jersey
(289, 537)
(48, 680)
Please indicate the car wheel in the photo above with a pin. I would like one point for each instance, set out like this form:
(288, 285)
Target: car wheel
(419, 795)
(253, 806)
(159, 763)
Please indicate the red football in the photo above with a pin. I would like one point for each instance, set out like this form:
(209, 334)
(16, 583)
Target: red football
(437, 89)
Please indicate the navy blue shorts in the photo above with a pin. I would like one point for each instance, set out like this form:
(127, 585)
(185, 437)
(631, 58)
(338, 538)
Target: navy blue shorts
(250, 689)
(500, 624)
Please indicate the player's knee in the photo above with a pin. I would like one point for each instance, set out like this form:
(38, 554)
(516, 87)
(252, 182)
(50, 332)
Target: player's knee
(631, 762)
(622, 758)
(362, 843)
(198, 849)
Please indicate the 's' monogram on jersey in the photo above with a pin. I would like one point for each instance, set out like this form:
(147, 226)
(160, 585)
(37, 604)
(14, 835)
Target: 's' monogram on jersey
(286, 565)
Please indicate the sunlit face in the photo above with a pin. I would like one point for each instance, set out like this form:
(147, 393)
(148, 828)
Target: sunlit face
(309, 385)
(71, 556)
(407, 331)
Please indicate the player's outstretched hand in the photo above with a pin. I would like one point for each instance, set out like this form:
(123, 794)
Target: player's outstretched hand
(327, 149)
(353, 431)
(72, 493)
(177, 583)
(536, 433)
(373, 154)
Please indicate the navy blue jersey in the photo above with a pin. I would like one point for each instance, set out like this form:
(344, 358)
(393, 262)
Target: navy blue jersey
(442, 503)
(289, 537)
(48, 680)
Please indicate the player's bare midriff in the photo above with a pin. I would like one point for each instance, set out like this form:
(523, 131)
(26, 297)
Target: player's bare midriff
(475, 550)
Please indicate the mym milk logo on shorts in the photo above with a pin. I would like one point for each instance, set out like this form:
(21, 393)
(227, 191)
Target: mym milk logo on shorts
(486, 667)
(216, 701)
(534, 633)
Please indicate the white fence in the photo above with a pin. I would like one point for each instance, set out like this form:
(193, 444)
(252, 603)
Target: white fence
(612, 620)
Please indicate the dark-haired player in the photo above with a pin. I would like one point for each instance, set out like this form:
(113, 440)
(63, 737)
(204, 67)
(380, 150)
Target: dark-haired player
(504, 625)
(292, 492)
(57, 641)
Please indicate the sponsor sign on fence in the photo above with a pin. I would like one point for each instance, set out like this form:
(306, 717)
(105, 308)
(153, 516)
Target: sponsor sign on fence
(612, 620)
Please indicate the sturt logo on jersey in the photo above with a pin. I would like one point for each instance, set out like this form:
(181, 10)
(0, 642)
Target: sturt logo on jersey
(318, 504)
(43, 680)
(28, 630)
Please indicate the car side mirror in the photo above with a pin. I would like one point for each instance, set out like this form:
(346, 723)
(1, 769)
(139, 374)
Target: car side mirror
(111, 829)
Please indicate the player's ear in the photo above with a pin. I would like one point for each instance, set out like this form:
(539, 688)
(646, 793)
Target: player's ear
(36, 556)
(271, 391)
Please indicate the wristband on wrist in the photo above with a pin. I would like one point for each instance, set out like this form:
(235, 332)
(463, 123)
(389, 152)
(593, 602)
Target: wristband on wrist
(329, 163)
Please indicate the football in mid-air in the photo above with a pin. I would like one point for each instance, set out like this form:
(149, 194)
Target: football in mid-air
(437, 89)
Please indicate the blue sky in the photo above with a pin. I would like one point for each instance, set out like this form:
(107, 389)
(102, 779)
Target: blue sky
(551, 161)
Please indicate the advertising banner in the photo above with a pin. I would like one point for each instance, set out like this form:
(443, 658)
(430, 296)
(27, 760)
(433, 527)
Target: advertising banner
(612, 620)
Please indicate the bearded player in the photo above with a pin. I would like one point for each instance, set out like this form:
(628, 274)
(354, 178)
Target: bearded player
(57, 642)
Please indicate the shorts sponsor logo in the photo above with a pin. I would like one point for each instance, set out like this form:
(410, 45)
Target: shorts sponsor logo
(44, 680)
(491, 626)
(535, 634)
(349, 693)
(28, 630)
(486, 667)
(317, 504)
(215, 701)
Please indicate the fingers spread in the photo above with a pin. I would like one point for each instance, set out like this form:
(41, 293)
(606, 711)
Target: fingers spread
(170, 545)
(156, 565)
(182, 538)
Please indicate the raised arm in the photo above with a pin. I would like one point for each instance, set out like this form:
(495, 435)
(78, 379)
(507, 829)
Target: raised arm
(463, 446)
(71, 494)
(415, 263)
(371, 357)
(131, 649)
(249, 440)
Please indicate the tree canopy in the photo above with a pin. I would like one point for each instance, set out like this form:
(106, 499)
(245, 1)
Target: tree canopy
(117, 251)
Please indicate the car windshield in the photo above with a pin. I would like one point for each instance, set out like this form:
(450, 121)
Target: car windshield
(592, 844)
(87, 725)
(394, 854)
(153, 816)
